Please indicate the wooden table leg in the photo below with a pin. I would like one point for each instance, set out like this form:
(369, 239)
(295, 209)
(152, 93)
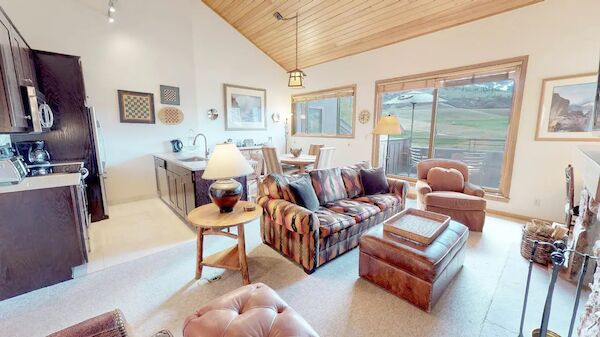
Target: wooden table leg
(301, 169)
(242, 254)
(199, 243)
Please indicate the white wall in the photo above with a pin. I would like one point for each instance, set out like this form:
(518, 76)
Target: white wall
(172, 42)
(561, 38)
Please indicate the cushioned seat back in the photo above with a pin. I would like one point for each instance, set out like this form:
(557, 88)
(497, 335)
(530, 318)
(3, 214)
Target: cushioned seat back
(328, 185)
(424, 166)
(351, 178)
(275, 186)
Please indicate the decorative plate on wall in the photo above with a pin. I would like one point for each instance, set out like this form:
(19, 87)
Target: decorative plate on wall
(364, 116)
(170, 116)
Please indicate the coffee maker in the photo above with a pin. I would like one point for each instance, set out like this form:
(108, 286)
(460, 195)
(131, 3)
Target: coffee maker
(36, 156)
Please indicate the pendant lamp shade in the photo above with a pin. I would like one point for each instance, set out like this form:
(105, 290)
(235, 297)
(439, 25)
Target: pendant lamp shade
(296, 79)
(388, 125)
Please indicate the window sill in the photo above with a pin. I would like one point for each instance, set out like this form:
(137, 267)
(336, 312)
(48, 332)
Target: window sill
(323, 136)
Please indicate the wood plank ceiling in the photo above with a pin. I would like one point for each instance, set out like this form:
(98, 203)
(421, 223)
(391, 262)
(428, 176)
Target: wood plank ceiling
(330, 29)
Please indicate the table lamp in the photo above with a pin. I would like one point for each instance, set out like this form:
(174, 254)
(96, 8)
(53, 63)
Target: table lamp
(226, 163)
(388, 125)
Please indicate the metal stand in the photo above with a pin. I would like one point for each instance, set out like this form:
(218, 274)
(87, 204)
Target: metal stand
(558, 259)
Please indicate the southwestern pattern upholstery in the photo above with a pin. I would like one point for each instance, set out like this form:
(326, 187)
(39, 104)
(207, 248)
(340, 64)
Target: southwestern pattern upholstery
(312, 239)
(328, 185)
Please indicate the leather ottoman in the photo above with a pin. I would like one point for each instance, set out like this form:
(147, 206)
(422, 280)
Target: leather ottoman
(254, 310)
(417, 273)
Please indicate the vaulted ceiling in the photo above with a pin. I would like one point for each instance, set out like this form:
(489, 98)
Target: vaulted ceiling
(330, 29)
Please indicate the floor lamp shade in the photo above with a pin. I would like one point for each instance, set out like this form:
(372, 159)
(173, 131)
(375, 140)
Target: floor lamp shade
(388, 125)
(226, 162)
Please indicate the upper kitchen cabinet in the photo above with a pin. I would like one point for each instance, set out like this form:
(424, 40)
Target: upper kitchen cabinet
(17, 70)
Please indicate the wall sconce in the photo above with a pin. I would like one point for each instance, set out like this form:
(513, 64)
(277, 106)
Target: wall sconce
(276, 117)
(212, 114)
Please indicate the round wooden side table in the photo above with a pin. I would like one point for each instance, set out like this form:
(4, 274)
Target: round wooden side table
(209, 221)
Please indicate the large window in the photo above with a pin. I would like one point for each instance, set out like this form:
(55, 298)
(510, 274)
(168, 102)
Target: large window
(468, 114)
(327, 113)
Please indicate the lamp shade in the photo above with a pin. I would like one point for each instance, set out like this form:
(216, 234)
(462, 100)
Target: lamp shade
(388, 125)
(296, 79)
(226, 162)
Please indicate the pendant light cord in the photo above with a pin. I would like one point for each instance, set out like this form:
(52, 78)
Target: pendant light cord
(296, 40)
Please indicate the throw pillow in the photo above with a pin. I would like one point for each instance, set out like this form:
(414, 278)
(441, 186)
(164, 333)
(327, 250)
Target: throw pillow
(304, 194)
(444, 179)
(374, 181)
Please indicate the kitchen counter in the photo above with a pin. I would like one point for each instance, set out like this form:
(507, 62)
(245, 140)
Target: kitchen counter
(41, 182)
(176, 158)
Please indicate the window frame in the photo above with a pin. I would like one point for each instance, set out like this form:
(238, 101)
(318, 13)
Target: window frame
(322, 94)
(503, 192)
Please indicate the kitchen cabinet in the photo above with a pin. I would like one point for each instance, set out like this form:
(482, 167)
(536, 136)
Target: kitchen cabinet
(17, 69)
(183, 189)
(42, 237)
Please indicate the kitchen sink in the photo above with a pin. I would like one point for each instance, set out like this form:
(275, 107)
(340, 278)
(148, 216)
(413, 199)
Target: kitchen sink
(192, 159)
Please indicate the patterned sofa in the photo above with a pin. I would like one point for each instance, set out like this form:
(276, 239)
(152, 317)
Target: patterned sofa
(311, 239)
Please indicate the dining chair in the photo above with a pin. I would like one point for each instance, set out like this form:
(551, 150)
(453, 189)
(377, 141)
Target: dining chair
(313, 150)
(272, 160)
(256, 161)
(324, 158)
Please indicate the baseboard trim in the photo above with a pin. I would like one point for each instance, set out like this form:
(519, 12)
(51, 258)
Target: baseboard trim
(513, 215)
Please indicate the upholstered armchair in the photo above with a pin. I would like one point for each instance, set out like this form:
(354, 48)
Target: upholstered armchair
(443, 187)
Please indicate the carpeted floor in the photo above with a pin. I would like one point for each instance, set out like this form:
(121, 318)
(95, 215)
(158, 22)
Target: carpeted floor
(158, 291)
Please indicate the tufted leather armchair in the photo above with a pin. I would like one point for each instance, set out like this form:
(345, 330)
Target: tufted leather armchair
(254, 310)
(467, 206)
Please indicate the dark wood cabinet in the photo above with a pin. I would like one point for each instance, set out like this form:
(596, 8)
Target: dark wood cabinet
(17, 69)
(42, 237)
(183, 189)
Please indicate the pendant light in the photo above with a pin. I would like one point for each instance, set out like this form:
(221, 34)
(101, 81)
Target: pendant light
(296, 79)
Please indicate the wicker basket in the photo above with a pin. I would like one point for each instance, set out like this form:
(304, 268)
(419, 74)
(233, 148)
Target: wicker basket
(542, 253)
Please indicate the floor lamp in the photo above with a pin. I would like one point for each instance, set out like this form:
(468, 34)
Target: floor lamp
(388, 125)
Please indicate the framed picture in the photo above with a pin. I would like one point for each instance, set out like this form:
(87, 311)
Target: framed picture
(567, 108)
(169, 95)
(136, 107)
(245, 108)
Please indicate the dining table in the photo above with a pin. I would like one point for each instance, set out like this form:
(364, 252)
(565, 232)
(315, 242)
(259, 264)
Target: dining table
(301, 162)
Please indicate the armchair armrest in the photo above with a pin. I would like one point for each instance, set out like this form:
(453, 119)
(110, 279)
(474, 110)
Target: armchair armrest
(422, 188)
(293, 217)
(472, 189)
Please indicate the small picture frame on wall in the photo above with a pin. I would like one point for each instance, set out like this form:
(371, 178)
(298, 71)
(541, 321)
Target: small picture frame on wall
(566, 111)
(245, 108)
(169, 95)
(136, 107)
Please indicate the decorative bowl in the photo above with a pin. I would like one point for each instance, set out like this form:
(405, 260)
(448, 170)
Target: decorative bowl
(296, 152)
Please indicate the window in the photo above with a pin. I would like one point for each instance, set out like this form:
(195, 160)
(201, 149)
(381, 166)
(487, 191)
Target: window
(469, 114)
(327, 113)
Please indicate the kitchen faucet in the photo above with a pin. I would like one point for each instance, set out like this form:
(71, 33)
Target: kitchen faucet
(205, 144)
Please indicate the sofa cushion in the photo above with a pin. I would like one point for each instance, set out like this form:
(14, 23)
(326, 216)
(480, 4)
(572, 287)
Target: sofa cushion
(332, 222)
(328, 185)
(383, 201)
(352, 182)
(303, 194)
(360, 211)
(445, 179)
(374, 181)
(455, 200)
(276, 185)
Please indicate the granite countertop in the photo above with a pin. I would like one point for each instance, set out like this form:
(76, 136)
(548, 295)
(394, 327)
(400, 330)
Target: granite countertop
(41, 182)
(176, 158)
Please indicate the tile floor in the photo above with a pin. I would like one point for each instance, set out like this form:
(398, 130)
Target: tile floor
(133, 230)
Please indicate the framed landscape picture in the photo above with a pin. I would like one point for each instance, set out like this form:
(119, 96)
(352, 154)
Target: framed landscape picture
(567, 108)
(245, 108)
(136, 107)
